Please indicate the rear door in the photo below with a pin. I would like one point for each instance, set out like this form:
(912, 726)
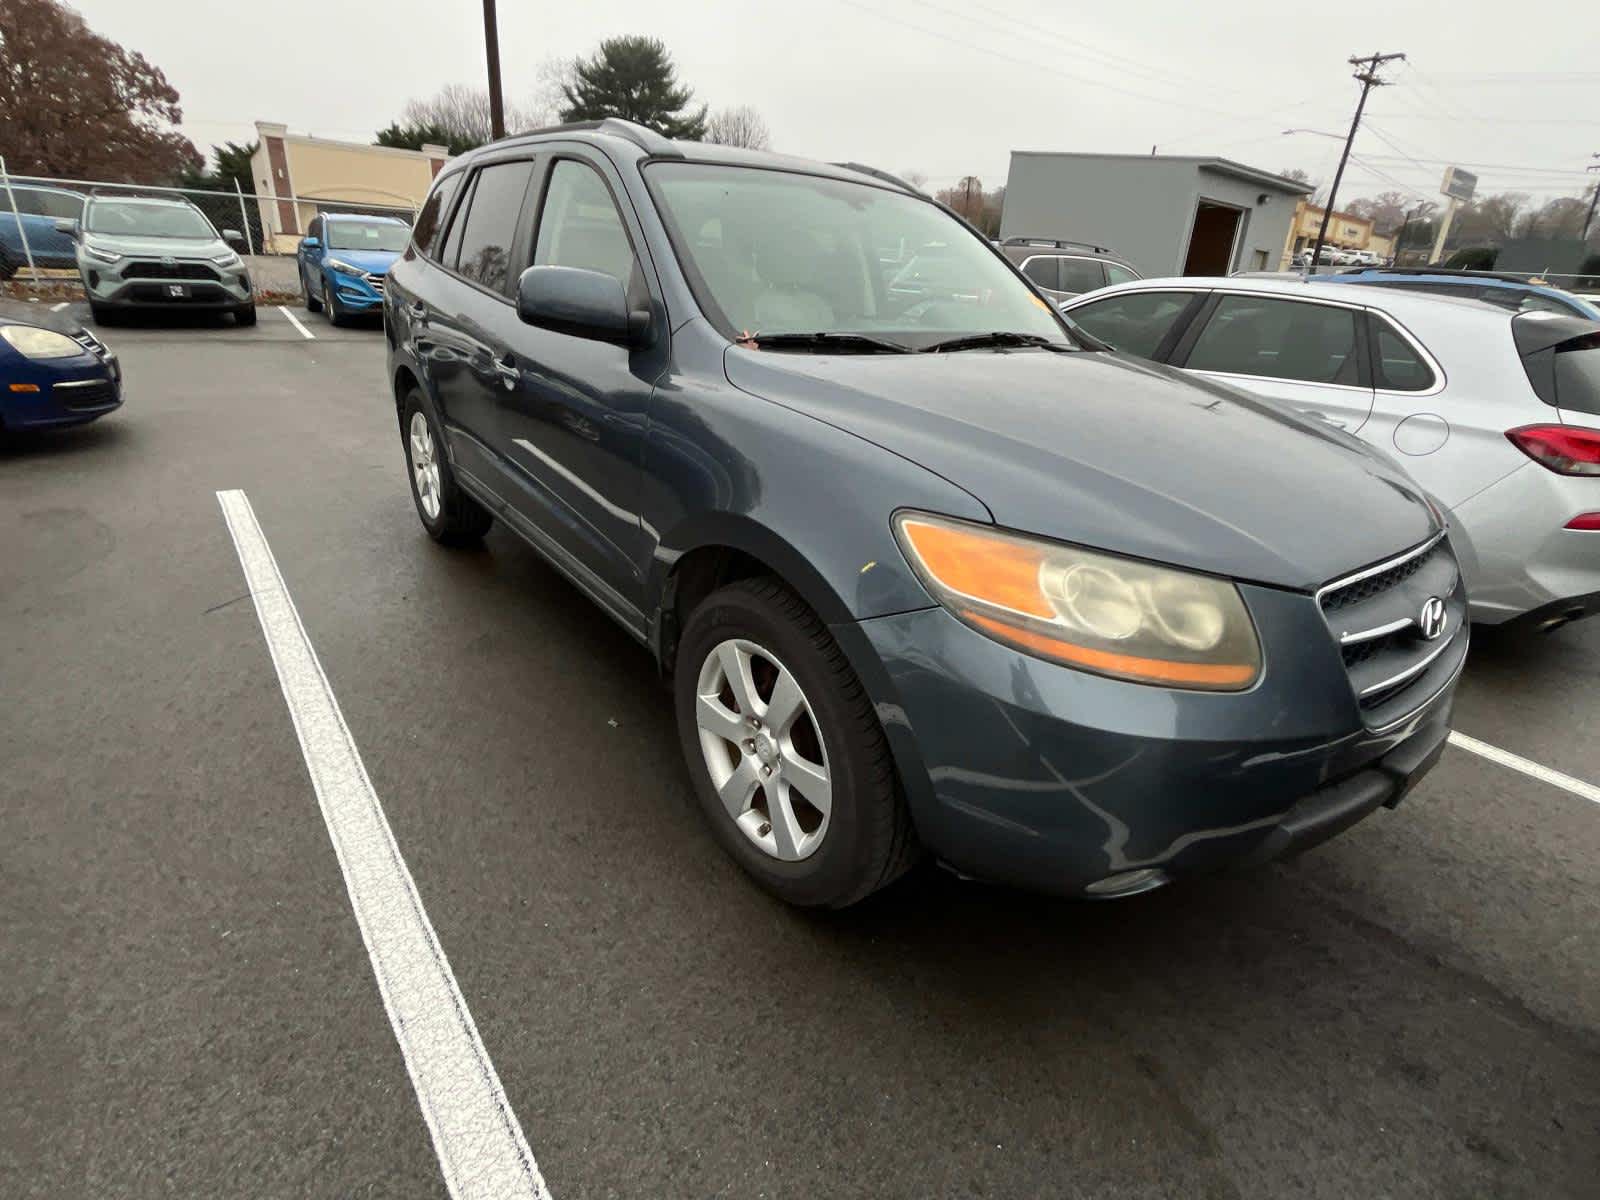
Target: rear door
(573, 419)
(1307, 354)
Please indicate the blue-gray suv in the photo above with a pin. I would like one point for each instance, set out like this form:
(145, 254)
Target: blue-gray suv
(926, 570)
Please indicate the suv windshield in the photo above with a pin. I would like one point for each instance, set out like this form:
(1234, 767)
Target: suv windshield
(359, 235)
(132, 219)
(775, 252)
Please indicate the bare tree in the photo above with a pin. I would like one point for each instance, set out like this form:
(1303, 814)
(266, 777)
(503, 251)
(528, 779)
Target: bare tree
(917, 179)
(741, 126)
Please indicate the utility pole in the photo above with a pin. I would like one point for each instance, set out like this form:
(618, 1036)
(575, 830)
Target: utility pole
(491, 44)
(1369, 80)
(969, 199)
(1584, 236)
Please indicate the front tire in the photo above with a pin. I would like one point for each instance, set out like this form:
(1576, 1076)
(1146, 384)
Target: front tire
(330, 298)
(448, 514)
(103, 314)
(790, 765)
(245, 316)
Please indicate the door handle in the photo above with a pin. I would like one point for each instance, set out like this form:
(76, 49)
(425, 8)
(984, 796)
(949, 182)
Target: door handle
(506, 367)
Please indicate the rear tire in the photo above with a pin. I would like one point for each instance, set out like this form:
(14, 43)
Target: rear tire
(245, 315)
(312, 303)
(835, 748)
(450, 516)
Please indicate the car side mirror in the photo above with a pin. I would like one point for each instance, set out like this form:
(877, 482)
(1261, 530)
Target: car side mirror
(310, 243)
(233, 237)
(68, 226)
(588, 304)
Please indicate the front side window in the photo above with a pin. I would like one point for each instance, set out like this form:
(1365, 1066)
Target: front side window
(1399, 368)
(1278, 339)
(795, 253)
(129, 218)
(490, 224)
(1081, 275)
(433, 211)
(43, 202)
(1136, 323)
(367, 235)
(580, 227)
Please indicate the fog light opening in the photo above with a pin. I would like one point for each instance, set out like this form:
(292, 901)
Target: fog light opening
(1127, 883)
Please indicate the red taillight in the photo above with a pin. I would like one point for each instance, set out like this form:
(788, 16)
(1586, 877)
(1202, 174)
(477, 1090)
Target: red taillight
(1560, 448)
(1585, 521)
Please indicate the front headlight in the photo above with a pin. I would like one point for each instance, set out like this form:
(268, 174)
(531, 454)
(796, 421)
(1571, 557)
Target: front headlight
(230, 259)
(95, 254)
(338, 264)
(1096, 612)
(33, 342)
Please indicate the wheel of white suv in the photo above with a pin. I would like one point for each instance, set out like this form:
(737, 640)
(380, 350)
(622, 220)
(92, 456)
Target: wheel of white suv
(788, 760)
(448, 514)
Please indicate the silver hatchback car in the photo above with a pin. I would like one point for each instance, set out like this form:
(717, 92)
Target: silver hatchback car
(1497, 415)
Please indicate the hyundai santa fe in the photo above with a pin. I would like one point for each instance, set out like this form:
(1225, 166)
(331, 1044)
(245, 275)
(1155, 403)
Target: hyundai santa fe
(926, 571)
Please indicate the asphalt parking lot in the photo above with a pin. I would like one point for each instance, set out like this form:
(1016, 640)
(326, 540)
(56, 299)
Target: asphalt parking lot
(189, 1008)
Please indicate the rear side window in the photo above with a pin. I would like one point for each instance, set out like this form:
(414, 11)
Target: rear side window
(1116, 273)
(458, 222)
(491, 224)
(1081, 275)
(1043, 272)
(426, 229)
(1577, 370)
(1136, 323)
(1398, 367)
(1278, 339)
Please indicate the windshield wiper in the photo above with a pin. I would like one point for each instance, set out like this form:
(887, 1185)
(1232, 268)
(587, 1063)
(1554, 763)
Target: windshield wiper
(1000, 337)
(858, 343)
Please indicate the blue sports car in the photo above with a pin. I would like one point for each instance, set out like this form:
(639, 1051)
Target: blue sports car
(344, 259)
(53, 373)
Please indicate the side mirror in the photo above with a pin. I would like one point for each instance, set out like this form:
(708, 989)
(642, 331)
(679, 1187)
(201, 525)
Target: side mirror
(233, 237)
(68, 226)
(309, 243)
(588, 304)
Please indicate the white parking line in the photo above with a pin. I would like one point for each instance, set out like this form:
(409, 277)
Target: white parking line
(59, 307)
(295, 321)
(480, 1146)
(1527, 766)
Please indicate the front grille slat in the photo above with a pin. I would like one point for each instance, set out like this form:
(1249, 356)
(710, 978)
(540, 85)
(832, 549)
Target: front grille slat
(158, 270)
(1375, 617)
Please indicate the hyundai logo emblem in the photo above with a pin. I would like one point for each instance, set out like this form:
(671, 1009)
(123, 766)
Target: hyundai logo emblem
(1431, 619)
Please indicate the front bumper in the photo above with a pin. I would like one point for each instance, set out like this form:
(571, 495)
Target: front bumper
(1021, 771)
(363, 293)
(79, 392)
(122, 286)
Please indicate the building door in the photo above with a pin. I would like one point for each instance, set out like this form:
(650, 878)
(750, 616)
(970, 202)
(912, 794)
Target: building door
(1212, 238)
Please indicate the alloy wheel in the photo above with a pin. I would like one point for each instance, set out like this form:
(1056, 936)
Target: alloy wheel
(425, 466)
(763, 749)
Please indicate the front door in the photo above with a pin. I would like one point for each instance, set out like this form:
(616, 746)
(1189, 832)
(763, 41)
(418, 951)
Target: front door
(572, 427)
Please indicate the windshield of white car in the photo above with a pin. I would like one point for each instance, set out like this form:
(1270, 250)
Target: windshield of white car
(779, 252)
(362, 235)
(128, 219)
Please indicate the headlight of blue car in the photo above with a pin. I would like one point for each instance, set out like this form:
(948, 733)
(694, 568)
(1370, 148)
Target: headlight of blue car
(344, 268)
(32, 342)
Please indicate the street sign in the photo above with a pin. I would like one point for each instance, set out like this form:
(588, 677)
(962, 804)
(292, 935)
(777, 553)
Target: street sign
(1458, 184)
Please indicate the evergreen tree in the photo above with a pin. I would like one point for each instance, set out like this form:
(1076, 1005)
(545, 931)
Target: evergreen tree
(633, 78)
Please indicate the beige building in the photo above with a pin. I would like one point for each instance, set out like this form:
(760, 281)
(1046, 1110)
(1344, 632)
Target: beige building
(1345, 230)
(297, 176)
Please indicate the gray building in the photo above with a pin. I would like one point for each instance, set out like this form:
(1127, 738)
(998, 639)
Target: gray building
(1165, 215)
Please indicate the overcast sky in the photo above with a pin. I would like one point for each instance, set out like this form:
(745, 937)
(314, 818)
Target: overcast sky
(947, 87)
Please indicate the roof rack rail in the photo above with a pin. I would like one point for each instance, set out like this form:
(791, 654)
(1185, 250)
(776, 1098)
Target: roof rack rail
(877, 174)
(646, 139)
(1056, 244)
(1456, 272)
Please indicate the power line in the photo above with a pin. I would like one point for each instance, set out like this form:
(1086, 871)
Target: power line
(1368, 79)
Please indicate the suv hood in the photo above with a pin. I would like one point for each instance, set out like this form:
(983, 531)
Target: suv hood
(1116, 454)
(158, 247)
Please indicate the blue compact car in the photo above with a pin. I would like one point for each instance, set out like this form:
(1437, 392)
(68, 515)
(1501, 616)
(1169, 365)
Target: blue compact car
(344, 260)
(1508, 291)
(31, 213)
(54, 373)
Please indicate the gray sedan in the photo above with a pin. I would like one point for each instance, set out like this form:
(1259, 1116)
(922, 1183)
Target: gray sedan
(1496, 414)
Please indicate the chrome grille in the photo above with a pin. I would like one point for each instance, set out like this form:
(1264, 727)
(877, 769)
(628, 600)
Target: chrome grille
(175, 270)
(1375, 617)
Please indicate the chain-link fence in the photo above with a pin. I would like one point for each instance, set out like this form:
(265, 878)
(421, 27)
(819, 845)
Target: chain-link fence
(32, 247)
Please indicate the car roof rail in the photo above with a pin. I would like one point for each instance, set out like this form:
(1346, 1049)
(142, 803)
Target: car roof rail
(1457, 273)
(885, 176)
(1056, 244)
(647, 140)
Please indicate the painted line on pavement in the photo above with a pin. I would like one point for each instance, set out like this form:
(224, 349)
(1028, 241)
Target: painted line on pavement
(480, 1145)
(1516, 762)
(295, 321)
(59, 307)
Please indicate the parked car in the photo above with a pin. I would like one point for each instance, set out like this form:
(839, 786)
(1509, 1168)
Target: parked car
(148, 252)
(1062, 270)
(1508, 291)
(923, 573)
(1494, 413)
(344, 259)
(35, 215)
(55, 373)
